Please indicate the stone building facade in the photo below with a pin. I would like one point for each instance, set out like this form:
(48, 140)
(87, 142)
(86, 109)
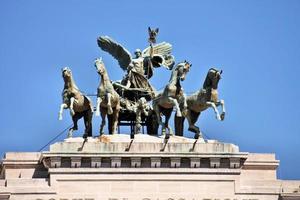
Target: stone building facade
(146, 168)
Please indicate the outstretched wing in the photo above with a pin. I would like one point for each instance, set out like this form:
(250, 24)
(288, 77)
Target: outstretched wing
(116, 50)
(163, 50)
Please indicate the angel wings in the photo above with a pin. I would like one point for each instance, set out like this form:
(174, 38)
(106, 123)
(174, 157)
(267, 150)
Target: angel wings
(159, 54)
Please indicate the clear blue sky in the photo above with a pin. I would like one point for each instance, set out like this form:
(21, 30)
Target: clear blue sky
(256, 43)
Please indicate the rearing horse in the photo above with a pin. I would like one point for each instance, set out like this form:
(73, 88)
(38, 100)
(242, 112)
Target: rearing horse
(171, 96)
(203, 99)
(108, 100)
(79, 105)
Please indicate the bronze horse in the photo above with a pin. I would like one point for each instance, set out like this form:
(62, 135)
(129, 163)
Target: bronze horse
(78, 104)
(196, 103)
(108, 100)
(172, 95)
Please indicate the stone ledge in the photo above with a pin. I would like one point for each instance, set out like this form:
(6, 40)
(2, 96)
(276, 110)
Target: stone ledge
(144, 161)
(23, 156)
(261, 161)
(32, 190)
(119, 151)
(215, 171)
(27, 182)
(4, 195)
(141, 144)
(158, 155)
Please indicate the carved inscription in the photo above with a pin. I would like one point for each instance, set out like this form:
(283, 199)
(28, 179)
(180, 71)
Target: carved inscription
(149, 199)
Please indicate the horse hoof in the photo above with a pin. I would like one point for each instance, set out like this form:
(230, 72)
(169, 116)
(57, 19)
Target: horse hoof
(196, 136)
(167, 136)
(222, 116)
(72, 112)
(178, 114)
(194, 129)
(131, 136)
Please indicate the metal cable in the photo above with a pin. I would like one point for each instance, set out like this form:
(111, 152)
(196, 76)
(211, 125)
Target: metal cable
(55, 137)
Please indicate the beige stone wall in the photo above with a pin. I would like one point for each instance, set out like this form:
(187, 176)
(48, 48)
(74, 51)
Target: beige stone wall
(212, 171)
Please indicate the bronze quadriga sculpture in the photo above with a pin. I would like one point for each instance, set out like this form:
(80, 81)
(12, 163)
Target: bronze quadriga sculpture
(130, 99)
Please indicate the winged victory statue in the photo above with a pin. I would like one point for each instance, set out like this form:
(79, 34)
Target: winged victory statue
(139, 68)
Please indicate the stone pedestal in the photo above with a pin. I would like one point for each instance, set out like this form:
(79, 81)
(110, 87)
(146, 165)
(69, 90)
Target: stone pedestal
(116, 168)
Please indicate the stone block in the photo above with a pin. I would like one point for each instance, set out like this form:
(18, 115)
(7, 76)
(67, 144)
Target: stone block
(142, 144)
(136, 162)
(155, 162)
(95, 162)
(75, 162)
(234, 162)
(195, 162)
(55, 162)
(115, 162)
(214, 162)
(175, 162)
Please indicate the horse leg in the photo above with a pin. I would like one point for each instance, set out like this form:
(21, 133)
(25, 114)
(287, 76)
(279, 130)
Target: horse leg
(62, 107)
(192, 118)
(98, 106)
(88, 115)
(103, 122)
(109, 108)
(72, 112)
(115, 119)
(179, 125)
(175, 103)
(168, 115)
(213, 105)
(222, 103)
(75, 119)
(157, 112)
(158, 116)
(183, 100)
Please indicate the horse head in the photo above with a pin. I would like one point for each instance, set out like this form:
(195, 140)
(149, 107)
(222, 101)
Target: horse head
(182, 69)
(100, 67)
(212, 78)
(66, 73)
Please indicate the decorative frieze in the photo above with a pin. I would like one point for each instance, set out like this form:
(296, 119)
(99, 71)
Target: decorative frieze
(214, 162)
(115, 162)
(136, 162)
(234, 162)
(55, 162)
(155, 162)
(75, 162)
(95, 162)
(195, 162)
(175, 162)
(55, 173)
